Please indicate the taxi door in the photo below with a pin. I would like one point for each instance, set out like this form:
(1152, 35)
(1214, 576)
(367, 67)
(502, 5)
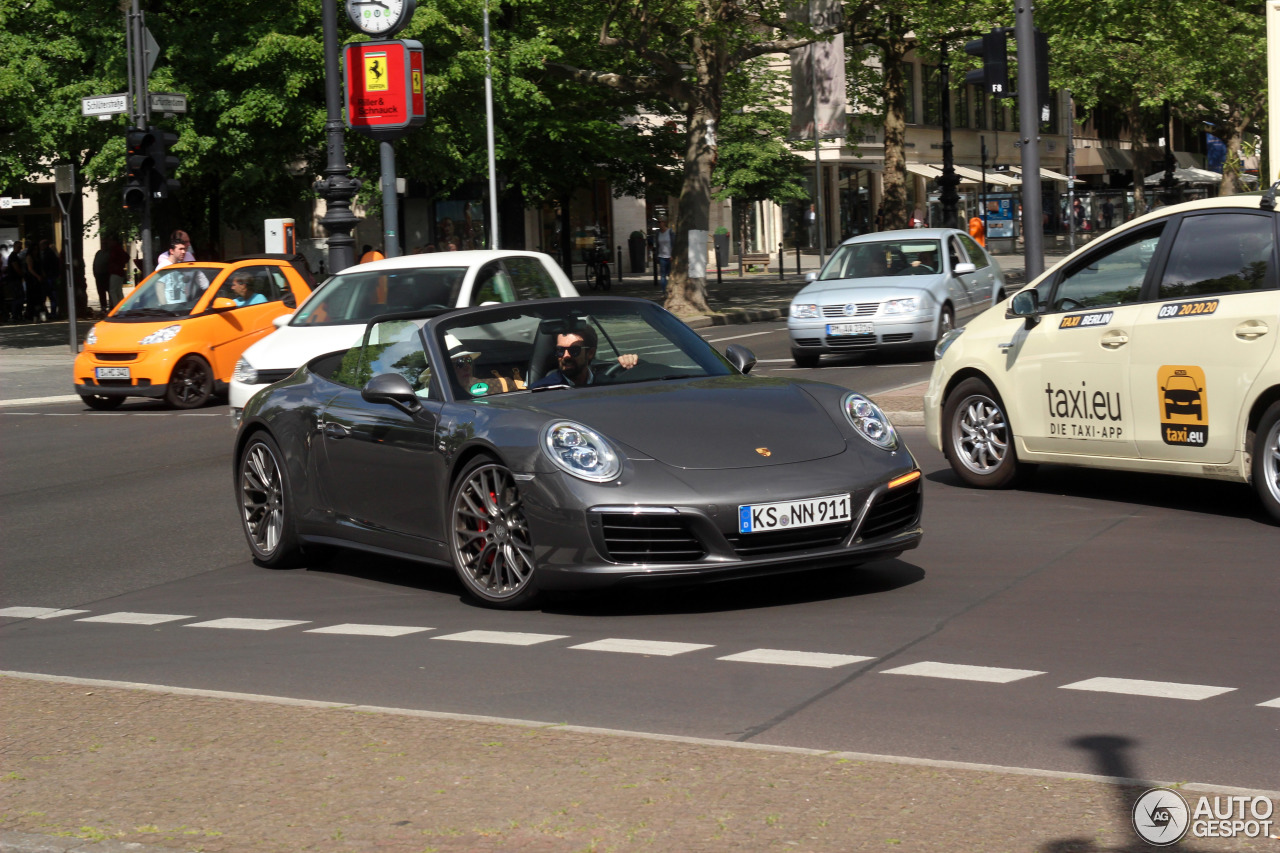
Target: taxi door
(1071, 372)
(1198, 349)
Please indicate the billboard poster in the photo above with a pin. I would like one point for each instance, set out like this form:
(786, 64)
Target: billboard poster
(817, 75)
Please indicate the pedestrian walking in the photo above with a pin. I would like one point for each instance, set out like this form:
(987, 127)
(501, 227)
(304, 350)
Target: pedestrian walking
(12, 290)
(102, 277)
(978, 231)
(1108, 213)
(117, 269)
(662, 244)
(51, 279)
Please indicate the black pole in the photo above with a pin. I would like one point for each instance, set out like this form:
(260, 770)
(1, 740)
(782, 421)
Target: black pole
(1029, 123)
(948, 180)
(782, 261)
(654, 250)
(338, 187)
(983, 189)
(719, 277)
(619, 264)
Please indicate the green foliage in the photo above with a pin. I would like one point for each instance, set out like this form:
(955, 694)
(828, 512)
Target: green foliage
(754, 162)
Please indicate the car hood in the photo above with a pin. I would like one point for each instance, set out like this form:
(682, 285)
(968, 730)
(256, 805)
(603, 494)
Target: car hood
(293, 346)
(866, 289)
(712, 423)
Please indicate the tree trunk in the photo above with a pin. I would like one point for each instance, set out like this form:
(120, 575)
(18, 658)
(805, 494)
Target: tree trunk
(1232, 134)
(1138, 136)
(687, 293)
(894, 205)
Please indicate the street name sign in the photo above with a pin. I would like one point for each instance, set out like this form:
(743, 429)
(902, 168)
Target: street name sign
(6, 202)
(168, 102)
(104, 105)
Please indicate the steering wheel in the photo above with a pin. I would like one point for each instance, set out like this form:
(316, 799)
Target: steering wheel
(613, 370)
(1066, 303)
(919, 269)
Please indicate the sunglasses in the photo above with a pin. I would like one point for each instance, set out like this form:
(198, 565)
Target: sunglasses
(462, 361)
(572, 351)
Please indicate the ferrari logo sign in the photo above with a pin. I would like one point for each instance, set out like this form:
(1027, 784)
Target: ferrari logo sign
(764, 451)
(375, 72)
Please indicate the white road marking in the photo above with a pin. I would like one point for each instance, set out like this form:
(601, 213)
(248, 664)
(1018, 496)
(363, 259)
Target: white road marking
(248, 624)
(502, 638)
(1274, 703)
(368, 630)
(1158, 689)
(641, 647)
(962, 672)
(38, 612)
(737, 337)
(783, 657)
(124, 617)
(35, 401)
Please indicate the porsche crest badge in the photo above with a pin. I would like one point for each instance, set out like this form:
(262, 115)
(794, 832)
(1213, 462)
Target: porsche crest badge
(764, 451)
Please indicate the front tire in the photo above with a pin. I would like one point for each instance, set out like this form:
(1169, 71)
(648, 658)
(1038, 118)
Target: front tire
(266, 504)
(978, 436)
(1266, 461)
(489, 536)
(805, 359)
(100, 403)
(191, 384)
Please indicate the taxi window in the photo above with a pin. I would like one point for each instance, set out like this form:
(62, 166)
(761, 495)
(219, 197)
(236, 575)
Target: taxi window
(1112, 276)
(1220, 253)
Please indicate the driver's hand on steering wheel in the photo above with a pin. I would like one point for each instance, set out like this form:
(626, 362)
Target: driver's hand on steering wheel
(628, 361)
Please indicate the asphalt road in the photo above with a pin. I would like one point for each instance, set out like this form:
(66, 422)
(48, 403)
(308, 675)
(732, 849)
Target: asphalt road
(1005, 617)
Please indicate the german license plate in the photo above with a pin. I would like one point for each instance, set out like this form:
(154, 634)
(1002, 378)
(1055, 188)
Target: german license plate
(836, 329)
(784, 515)
(112, 372)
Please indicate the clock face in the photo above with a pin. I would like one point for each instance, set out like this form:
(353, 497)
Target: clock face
(379, 17)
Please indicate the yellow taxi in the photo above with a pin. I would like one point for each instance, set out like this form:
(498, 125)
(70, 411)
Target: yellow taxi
(179, 334)
(1152, 349)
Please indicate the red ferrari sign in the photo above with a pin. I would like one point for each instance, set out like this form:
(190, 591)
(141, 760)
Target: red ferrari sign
(385, 96)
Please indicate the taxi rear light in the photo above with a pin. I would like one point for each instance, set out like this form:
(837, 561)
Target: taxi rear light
(910, 477)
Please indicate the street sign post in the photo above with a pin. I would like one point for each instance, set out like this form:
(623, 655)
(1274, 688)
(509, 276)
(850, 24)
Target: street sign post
(64, 179)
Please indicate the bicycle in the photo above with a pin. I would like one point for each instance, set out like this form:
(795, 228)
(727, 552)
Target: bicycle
(597, 268)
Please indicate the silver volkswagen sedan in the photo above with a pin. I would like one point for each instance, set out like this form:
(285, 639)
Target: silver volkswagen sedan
(892, 289)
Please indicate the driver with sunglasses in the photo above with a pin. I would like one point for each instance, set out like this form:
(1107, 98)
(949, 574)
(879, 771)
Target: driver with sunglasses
(574, 351)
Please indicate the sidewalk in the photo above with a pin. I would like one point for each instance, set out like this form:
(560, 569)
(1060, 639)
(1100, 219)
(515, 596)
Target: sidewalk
(95, 767)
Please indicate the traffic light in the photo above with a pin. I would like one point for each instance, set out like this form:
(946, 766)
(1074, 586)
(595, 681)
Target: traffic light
(137, 186)
(163, 164)
(993, 77)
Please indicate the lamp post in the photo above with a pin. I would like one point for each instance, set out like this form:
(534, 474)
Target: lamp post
(338, 187)
(948, 180)
(488, 112)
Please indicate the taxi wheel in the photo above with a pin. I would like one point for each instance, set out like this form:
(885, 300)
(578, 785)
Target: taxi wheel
(100, 403)
(266, 505)
(1266, 460)
(490, 543)
(978, 436)
(191, 384)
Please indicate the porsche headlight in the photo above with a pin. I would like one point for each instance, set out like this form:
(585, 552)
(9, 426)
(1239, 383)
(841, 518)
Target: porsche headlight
(807, 311)
(580, 451)
(245, 372)
(909, 305)
(946, 341)
(91, 338)
(870, 422)
(162, 336)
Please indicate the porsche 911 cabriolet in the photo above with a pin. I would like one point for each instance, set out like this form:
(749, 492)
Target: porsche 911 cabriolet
(568, 443)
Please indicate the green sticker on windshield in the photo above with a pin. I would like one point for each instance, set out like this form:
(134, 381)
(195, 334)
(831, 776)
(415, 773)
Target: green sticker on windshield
(479, 389)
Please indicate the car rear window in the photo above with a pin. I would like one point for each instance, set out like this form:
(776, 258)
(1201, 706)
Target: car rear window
(360, 296)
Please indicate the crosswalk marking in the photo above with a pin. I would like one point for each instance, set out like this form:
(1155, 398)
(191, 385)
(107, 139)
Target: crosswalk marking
(1157, 689)
(641, 647)
(1272, 703)
(248, 624)
(368, 630)
(502, 638)
(783, 657)
(38, 612)
(963, 672)
(124, 617)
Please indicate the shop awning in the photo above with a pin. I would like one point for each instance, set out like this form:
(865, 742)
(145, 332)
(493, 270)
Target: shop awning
(1097, 161)
(1001, 179)
(923, 171)
(1185, 176)
(1045, 174)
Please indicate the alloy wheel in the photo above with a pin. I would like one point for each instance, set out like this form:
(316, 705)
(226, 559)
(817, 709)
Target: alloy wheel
(981, 435)
(491, 543)
(262, 499)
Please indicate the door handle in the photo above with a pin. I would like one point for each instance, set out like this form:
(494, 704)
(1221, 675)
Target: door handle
(1114, 340)
(1251, 329)
(333, 430)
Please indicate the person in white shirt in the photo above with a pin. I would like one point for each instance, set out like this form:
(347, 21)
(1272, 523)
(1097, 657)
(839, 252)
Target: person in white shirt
(663, 246)
(179, 250)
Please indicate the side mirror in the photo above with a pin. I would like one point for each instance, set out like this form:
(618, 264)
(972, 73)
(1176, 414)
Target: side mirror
(1025, 304)
(222, 303)
(741, 357)
(281, 320)
(394, 389)
(961, 269)
(810, 277)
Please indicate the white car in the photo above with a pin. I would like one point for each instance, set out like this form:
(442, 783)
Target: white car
(1152, 349)
(335, 315)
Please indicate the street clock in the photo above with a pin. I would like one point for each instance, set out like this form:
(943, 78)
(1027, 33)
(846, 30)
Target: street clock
(380, 17)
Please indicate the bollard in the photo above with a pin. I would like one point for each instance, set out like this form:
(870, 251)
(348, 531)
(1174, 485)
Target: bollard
(619, 265)
(782, 261)
(798, 258)
(655, 266)
(719, 278)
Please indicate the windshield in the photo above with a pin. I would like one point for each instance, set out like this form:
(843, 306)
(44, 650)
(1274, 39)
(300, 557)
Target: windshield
(887, 257)
(359, 297)
(168, 293)
(558, 344)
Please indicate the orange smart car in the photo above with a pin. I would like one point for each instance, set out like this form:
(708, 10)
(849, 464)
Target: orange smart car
(180, 332)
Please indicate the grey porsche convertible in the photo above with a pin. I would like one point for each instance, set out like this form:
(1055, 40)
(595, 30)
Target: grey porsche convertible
(568, 443)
